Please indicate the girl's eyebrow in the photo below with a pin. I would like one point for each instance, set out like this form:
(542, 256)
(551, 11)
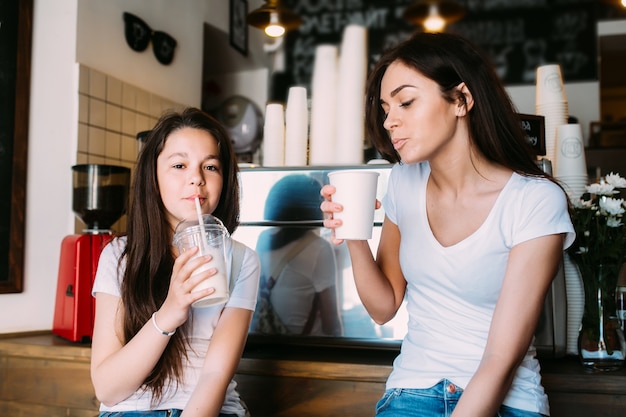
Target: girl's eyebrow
(185, 155)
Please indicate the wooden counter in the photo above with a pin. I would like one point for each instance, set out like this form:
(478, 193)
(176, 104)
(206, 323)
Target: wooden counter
(43, 375)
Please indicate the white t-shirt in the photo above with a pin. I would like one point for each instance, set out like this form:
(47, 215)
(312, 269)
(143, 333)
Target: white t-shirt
(310, 271)
(243, 295)
(452, 291)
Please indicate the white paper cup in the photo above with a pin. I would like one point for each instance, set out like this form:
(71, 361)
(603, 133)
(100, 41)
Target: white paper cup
(550, 87)
(212, 241)
(570, 151)
(356, 192)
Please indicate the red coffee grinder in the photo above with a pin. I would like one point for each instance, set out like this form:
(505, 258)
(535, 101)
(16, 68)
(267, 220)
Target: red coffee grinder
(100, 195)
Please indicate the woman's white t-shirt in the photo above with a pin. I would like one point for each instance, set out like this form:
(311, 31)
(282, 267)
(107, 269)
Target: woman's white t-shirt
(452, 291)
(243, 295)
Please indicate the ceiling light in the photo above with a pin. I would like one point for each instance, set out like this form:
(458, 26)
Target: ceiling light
(274, 29)
(433, 15)
(272, 16)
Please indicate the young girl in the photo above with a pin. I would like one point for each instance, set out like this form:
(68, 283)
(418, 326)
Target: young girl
(472, 237)
(151, 352)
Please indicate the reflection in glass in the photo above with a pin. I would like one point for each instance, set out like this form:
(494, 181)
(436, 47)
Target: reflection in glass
(298, 268)
(274, 218)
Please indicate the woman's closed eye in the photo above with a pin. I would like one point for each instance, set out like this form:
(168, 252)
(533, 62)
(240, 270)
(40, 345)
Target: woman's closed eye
(407, 103)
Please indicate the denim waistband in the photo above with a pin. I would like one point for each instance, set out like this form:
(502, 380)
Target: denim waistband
(444, 389)
(150, 413)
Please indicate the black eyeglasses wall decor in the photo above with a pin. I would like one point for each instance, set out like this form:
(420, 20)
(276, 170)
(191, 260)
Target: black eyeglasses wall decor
(139, 34)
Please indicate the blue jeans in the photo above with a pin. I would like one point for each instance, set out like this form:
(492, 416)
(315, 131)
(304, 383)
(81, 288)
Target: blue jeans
(153, 413)
(436, 401)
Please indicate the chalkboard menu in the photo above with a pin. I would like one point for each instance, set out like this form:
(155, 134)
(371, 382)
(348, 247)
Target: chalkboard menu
(15, 43)
(518, 35)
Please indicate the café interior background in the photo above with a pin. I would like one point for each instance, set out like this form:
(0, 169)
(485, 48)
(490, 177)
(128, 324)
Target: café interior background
(91, 94)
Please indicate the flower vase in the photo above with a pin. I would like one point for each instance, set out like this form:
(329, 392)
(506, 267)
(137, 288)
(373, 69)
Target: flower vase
(601, 345)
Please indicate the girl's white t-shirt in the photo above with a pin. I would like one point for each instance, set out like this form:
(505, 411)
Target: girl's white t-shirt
(243, 295)
(452, 291)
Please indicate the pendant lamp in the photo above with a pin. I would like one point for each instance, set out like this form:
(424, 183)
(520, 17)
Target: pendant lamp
(274, 19)
(434, 15)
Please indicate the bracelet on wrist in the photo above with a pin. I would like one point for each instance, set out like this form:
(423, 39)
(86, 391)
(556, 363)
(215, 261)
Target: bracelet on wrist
(158, 329)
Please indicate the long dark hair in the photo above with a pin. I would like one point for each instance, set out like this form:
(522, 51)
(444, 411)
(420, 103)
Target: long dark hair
(148, 253)
(448, 59)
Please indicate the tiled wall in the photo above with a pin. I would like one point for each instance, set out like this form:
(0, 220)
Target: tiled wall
(111, 113)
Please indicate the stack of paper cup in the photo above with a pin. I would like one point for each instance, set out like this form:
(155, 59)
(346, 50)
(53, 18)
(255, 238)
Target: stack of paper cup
(274, 135)
(571, 171)
(551, 102)
(296, 127)
(350, 133)
(323, 105)
(575, 295)
(571, 165)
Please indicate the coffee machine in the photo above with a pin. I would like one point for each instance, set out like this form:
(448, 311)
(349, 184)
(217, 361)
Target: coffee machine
(99, 199)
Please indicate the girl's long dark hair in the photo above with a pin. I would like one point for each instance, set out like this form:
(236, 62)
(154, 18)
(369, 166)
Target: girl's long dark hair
(448, 59)
(148, 253)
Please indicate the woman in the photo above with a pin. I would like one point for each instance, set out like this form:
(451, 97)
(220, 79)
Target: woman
(152, 353)
(472, 237)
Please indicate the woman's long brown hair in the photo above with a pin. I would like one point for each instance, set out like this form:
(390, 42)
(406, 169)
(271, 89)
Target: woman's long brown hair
(148, 253)
(447, 59)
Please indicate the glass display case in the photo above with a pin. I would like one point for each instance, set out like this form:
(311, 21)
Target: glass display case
(280, 206)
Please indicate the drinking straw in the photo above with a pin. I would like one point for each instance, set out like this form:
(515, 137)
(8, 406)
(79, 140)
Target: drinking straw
(203, 243)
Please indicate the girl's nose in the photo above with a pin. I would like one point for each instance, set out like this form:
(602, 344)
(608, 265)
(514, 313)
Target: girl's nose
(197, 178)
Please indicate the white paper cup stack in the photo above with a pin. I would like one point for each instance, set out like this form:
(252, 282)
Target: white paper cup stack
(350, 133)
(296, 127)
(551, 102)
(323, 106)
(575, 295)
(571, 165)
(274, 135)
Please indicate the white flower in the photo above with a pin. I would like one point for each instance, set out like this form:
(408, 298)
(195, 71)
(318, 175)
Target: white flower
(600, 189)
(613, 221)
(615, 180)
(581, 204)
(613, 206)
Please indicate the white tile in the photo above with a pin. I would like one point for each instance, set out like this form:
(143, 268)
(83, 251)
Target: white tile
(97, 84)
(83, 108)
(142, 101)
(83, 138)
(155, 105)
(114, 90)
(129, 122)
(97, 112)
(113, 145)
(83, 80)
(130, 148)
(96, 141)
(96, 159)
(142, 122)
(113, 117)
(82, 158)
(129, 96)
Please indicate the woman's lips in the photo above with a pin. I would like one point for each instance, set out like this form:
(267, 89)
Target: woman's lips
(398, 143)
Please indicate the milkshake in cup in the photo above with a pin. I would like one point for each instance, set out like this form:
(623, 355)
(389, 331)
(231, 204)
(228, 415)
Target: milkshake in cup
(211, 240)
